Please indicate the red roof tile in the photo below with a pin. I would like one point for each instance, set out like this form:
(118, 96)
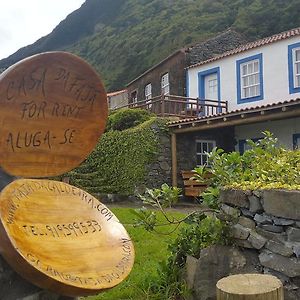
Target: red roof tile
(116, 93)
(237, 111)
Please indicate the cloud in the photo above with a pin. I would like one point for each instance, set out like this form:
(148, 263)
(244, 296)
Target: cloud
(24, 22)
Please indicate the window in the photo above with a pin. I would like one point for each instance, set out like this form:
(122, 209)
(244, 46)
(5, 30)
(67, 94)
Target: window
(133, 97)
(249, 79)
(148, 91)
(165, 85)
(243, 146)
(294, 68)
(296, 141)
(203, 147)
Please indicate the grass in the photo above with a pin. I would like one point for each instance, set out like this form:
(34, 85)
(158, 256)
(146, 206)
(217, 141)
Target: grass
(150, 249)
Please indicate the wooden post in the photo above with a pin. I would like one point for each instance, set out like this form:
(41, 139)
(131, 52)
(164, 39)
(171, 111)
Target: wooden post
(174, 159)
(250, 287)
(162, 105)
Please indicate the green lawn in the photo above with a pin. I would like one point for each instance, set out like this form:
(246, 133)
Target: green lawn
(150, 248)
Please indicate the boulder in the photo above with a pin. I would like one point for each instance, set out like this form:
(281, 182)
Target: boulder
(254, 204)
(282, 203)
(288, 266)
(234, 197)
(216, 262)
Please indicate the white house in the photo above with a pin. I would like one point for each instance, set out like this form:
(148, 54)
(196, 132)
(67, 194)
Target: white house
(261, 83)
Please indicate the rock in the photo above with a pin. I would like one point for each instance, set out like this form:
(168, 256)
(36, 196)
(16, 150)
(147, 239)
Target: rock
(164, 166)
(296, 250)
(283, 222)
(288, 266)
(5, 179)
(190, 271)
(282, 203)
(293, 234)
(263, 219)
(283, 278)
(256, 240)
(295, 246)
(279, 237)
(254, 204)
(230, 210)
(291, 295)
(247, 213)
(298, 224)
(240, 232)
(248, 192)
(279, 248)
(234, 197)
(246, 222)
(243, 244)
(257, 193)
(14, 287)
(272, 228)
(216, 262)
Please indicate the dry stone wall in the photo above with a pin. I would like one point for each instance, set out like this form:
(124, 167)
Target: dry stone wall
(269, 222)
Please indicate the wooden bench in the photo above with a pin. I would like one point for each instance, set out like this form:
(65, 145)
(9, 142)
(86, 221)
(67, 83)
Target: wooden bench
(192, 187)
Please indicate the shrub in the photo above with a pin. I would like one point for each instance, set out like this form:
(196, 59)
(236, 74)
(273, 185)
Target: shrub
(119, 162)
(202, 233)
(263, 166)
(126, 118)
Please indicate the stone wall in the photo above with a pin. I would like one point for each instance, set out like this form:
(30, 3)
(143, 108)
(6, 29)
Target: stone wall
(223, 42)
(268, 221)
(160, 171)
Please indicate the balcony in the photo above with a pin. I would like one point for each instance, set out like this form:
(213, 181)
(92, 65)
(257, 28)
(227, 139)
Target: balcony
(181, 107)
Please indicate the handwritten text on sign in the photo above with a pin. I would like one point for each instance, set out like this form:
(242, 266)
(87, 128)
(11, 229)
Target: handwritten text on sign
(52, 223)
(54, 109)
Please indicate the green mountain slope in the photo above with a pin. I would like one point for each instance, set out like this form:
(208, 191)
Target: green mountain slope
(123, 38)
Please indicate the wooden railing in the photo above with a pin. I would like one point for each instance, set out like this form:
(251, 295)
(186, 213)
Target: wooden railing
(179, 106)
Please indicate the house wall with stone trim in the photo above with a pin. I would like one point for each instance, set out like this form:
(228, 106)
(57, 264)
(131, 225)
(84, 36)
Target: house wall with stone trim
(275, 75)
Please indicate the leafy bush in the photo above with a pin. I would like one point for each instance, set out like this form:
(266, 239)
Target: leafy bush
(126, 118)
(199, 231)
(118, 163)
(263, 166)
(164, 197)
(203, 232)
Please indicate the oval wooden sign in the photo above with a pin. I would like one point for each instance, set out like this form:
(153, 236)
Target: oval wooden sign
(53, 111)
(61, 238)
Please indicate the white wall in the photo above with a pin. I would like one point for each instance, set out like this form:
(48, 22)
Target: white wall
(117, 100)
(282, 129)
(275, 75)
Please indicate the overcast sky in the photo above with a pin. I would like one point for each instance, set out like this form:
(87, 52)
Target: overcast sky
(22, 22)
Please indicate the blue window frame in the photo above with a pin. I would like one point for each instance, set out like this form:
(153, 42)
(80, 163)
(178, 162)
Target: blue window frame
(296, 141)
(243, 144)
(294, 68)
(201, 84)
(249, 72)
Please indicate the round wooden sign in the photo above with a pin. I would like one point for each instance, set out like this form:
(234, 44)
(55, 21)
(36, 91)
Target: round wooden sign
(61, 238)
(53, 111)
